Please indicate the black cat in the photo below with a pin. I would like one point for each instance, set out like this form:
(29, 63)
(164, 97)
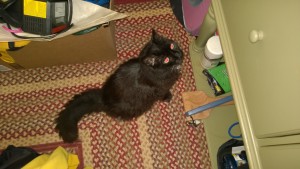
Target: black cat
(131, 90)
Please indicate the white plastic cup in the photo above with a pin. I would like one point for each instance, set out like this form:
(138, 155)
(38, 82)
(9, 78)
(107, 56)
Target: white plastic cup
(212, 53)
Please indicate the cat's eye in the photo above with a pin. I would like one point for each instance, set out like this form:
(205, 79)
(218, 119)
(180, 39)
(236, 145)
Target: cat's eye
(172, 46)
(167, 60)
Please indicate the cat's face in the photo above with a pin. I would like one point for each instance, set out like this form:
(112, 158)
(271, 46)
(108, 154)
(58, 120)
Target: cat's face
(162, 53)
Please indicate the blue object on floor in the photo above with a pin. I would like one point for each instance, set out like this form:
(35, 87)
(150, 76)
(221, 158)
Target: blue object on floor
(209, 106)
(229, 131)
(103, 3)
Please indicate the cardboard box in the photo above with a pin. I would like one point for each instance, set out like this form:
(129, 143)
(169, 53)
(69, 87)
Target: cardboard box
(98, 45)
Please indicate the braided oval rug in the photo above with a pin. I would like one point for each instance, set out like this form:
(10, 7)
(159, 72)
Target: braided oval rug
(30, 100)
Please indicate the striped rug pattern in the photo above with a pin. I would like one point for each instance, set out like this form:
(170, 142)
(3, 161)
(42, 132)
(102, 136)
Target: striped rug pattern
(30, 100)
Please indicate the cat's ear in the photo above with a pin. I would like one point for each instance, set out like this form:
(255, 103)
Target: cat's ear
(155, 36)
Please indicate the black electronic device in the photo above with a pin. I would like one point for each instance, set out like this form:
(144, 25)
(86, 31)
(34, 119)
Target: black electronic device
(42, 17)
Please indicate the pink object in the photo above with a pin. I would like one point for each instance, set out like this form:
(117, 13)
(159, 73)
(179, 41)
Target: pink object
(193, 15)
(167, 60)
(18, 30)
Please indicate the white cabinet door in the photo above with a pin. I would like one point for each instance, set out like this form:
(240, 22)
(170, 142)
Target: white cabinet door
(269, 66)
(280, 157)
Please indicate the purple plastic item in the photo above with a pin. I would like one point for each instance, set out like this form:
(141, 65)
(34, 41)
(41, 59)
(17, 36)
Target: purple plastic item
(193, 14)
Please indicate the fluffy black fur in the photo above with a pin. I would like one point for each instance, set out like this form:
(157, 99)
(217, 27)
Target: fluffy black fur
(131, 90)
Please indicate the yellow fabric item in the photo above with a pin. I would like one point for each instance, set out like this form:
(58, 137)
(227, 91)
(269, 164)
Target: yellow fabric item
(6, 57)
(4, 45)
(58, 159)
(88, 167)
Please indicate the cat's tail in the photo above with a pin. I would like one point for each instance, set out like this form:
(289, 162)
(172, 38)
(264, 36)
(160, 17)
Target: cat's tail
(84, 103)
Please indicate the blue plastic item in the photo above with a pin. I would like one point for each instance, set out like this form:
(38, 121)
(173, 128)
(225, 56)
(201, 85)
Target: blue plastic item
(229, 131)
(209, 106)
(103, 3)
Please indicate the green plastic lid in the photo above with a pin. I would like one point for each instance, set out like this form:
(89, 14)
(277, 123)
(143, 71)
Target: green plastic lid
(220, 75)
